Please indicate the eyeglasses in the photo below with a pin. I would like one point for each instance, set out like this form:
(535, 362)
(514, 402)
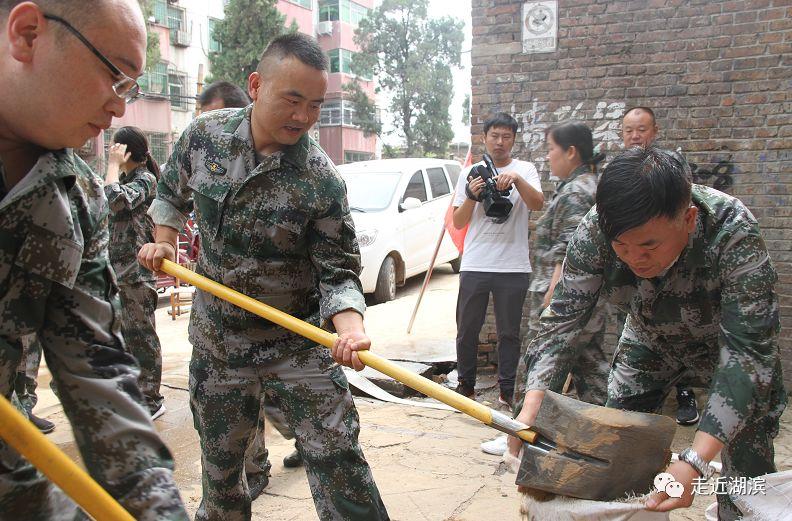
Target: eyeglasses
(125, 88)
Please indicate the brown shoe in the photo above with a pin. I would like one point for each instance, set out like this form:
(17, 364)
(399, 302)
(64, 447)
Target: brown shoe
(465, 390)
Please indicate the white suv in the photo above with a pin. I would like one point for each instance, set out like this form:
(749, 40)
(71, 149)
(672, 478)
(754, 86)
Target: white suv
(398, 206)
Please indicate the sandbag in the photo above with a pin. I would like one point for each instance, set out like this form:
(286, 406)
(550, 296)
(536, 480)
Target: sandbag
(535, 508)
(774, 505)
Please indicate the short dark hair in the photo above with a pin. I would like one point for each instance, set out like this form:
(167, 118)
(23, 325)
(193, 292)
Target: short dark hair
(79, 13)
(232, 95)
(641, 108)
(577, 134)
(303, 47)
(501, 119)
(639, 185)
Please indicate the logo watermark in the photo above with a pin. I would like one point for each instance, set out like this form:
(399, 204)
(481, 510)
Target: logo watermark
(732, 486)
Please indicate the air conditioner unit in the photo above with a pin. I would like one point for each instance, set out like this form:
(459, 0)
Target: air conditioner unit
(182, 38)
(324, 28)
(173, 2)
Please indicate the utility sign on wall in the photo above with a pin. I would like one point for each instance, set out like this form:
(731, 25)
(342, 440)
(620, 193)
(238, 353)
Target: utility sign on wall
(540, 26)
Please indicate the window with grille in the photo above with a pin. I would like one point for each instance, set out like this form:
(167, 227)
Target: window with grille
(158, 146)
(341, 10)
(214, 45)
(352, 156)
(338, 112)
(160, 12)
(177, 90)
(330, 113)
(155, 79)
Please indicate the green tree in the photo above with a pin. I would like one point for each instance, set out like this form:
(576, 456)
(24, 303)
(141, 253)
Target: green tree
(248, 26)
(466, 110)
(411, 56)
(152, 39)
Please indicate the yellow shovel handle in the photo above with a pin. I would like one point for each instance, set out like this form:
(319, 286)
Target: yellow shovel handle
(26, 439)
(322, 337)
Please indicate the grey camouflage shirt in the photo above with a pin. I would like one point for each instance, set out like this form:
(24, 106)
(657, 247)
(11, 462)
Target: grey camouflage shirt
(716, 303)
(276, 228)
(571, 201)
(130, 226)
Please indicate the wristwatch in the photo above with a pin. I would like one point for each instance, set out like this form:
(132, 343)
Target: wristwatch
(692, 458)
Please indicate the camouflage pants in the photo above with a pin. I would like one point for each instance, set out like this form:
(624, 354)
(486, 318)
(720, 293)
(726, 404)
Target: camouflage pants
(592, 363)
(315, 398)
(641, 379)
(257, 455)
(114, 435)
(138, 304)
(27, 373)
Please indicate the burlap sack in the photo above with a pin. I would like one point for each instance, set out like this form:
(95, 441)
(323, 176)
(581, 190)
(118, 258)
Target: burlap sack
(535, 508)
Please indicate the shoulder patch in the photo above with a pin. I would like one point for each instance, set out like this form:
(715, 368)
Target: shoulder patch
(215, 168)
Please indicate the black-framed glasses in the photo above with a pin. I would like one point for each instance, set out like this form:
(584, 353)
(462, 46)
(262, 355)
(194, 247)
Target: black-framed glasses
(125, 88)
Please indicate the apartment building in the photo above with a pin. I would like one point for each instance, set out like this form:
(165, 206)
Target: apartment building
(185, 29)
(333, 22)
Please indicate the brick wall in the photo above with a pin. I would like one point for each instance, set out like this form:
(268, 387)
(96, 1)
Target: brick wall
(718, 73)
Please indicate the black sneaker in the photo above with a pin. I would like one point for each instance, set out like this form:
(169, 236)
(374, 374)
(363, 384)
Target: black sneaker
(41, 424)
(465, 390)
(506, 398)
(293, 460)
(687, 411)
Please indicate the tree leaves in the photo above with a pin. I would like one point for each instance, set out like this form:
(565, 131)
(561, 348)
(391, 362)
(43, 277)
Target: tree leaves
(248, 26)
(411, 57)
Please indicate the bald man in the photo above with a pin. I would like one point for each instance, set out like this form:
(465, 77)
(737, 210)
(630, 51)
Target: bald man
(65, 72)
(640, 129)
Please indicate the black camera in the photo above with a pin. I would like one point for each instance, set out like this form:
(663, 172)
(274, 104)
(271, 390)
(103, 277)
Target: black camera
(496, 202)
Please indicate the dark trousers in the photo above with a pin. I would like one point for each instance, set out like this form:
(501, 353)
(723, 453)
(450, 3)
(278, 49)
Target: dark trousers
(508, 294)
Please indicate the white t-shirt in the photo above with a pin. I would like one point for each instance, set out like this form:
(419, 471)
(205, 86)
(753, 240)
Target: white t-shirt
(492, 247)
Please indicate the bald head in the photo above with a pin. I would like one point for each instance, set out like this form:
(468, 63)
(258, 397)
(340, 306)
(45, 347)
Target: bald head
(81, 13)
(40, 42)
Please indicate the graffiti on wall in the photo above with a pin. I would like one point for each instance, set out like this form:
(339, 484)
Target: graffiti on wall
(605, 120)
(603, 117)
(720, 176)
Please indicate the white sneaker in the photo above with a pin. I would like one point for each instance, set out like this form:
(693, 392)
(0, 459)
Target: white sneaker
(159, 412)
(495, 447)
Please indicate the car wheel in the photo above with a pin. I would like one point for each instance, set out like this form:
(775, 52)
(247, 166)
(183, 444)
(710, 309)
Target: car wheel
(386, 282)
(456, 264)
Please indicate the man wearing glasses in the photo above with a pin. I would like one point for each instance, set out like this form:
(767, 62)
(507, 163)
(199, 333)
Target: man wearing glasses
(61, 86)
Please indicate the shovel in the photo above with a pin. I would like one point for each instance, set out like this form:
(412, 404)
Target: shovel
(580, 450)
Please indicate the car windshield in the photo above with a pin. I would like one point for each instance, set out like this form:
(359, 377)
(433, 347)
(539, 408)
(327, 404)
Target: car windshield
(370, 191)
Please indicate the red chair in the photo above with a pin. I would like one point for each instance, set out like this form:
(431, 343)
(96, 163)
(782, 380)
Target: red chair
(187, 255)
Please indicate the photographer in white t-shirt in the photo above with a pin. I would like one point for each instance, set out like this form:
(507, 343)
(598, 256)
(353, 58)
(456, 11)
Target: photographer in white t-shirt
(495, 257)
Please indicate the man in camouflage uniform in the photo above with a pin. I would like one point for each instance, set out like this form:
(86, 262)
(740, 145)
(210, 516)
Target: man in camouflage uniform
(129, 197)
(274, 225)
(226, 95)
(692, 269)
(640, 129)
(55, 276)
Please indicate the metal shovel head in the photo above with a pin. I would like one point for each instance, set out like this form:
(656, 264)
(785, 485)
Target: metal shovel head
(592, 452)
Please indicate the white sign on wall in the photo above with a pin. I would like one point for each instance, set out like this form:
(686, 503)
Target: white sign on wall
(540, 26)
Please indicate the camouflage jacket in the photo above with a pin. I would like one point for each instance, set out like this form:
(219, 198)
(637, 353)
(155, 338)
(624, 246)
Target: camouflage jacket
(54, 266)
(130, 226)
(276, 228)
(571, 201)
(716, 306)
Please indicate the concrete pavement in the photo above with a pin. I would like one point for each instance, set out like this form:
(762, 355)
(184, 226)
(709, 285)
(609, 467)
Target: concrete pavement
(427, 463)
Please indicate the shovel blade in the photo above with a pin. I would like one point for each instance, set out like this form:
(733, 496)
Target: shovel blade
(592, 452)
